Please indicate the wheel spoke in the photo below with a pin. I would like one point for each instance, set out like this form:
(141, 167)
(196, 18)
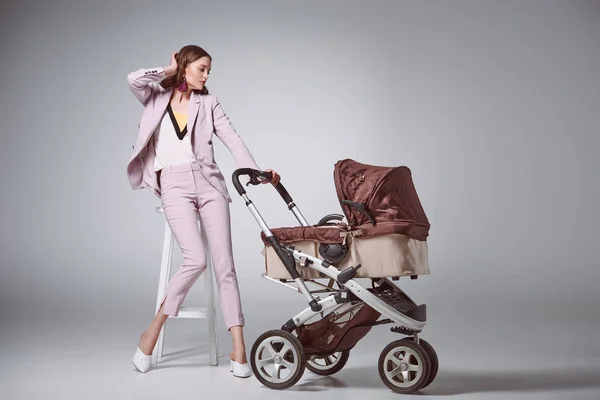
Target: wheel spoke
(405, 376)
(271, 349)
(263, 362)
(277, 371)
(288, 365)
(284, 350)
(395, 371)
(412, 367)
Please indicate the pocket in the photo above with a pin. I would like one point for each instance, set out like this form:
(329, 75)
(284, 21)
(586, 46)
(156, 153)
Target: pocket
(165, 182)
(215, 171)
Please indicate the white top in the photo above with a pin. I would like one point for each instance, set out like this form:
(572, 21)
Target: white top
(168, 147)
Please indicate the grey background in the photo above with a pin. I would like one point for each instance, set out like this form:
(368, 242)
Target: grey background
(493, 105)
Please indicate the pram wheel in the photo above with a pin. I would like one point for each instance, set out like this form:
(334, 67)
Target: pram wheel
(277, 359)
(328, 365)
(332, 252)
(432, 357)
(404, 366)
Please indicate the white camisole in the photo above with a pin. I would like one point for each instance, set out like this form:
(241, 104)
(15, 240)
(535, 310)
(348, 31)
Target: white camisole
(172, 142)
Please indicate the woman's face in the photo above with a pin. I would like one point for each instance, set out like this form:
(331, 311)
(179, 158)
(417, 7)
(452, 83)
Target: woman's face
(196, 73)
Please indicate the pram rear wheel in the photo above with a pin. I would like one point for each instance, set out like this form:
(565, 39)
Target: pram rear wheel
(404, 366)
(432, 357)
(332, 252)
(328, 365)
(277, 359)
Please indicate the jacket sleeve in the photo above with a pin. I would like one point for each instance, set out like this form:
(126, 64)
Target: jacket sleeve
(230, 138)
(144, 81)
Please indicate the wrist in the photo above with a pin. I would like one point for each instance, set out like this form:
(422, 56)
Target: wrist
(169, 71)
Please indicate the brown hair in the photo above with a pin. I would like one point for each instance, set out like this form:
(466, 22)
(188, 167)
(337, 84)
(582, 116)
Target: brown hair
(186, 55)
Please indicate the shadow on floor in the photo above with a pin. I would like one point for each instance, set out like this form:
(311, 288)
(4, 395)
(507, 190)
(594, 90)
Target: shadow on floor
(180, 358)
(460, 382)
(449, 383)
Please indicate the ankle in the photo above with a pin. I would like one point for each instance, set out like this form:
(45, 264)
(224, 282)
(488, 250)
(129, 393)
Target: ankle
(147, 341)
(239, 359)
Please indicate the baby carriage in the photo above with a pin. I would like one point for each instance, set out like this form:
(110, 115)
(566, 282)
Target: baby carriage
(380, 238)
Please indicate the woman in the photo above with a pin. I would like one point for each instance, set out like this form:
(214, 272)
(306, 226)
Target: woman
(174, 158)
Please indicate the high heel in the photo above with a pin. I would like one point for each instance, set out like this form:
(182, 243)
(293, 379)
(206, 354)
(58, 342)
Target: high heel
(239, 370)
(141, 361)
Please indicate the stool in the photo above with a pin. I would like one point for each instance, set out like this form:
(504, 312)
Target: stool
(207, 312)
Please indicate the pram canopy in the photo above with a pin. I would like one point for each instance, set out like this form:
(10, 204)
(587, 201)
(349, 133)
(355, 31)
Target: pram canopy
(376, 201)
(386, 194)
(386, 229)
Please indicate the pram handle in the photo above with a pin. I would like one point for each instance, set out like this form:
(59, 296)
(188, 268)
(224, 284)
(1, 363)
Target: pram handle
(254, 175)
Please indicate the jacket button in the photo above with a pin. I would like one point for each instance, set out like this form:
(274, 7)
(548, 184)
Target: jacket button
(210, 142)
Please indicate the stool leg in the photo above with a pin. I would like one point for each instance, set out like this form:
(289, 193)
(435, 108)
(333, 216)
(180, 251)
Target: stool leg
(210, 305)
(163, 280)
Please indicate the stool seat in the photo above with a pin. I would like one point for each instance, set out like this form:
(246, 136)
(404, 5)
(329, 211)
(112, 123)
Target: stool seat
(161, 210)
(206, 313)
(192, 312)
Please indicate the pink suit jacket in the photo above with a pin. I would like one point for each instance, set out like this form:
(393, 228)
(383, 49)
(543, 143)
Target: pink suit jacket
(205, 118)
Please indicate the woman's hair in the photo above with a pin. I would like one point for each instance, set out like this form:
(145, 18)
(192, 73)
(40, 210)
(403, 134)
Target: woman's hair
(186, 55)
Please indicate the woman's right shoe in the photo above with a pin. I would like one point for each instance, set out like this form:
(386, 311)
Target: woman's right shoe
(141, 361)
(240, 370)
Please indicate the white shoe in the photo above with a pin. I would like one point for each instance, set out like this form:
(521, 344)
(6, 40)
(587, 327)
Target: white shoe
(141, 361)
(239, 370)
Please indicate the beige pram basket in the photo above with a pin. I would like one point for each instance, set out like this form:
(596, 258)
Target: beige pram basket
(384, 228)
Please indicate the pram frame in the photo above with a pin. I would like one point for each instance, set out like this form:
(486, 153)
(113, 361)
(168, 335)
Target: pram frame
(318, 305)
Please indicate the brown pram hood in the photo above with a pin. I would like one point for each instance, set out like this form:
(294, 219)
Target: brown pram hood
(388, 196)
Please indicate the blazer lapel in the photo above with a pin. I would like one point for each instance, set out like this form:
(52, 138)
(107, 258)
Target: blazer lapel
(193, 109)
(160, 106)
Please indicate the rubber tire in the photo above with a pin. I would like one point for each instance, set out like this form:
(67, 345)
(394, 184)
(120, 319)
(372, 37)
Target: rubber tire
(335, 369)
(417, 349)
(301, 359)
(330, 217)
(325, 221)
(432, 357)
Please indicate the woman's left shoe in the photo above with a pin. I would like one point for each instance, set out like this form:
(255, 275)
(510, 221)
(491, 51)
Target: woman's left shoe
(141, 361)
(239, 370)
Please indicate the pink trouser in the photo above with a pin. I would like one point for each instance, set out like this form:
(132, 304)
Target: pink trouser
(184, 190)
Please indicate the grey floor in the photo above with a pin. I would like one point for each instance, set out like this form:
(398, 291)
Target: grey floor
(530, 352)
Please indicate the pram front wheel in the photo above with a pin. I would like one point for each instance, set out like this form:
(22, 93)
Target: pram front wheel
(277, 359)
(404, 366)
(328, 365)
(432, 357)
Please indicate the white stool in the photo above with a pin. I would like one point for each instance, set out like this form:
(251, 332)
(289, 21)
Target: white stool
(207, 312)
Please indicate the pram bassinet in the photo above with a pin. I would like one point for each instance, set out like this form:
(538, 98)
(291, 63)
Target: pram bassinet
(385, 228)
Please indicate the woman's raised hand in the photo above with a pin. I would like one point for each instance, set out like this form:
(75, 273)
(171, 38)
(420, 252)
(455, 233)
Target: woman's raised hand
(171, 69)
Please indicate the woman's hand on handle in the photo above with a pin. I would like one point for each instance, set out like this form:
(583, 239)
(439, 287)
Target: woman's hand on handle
(275, 177)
